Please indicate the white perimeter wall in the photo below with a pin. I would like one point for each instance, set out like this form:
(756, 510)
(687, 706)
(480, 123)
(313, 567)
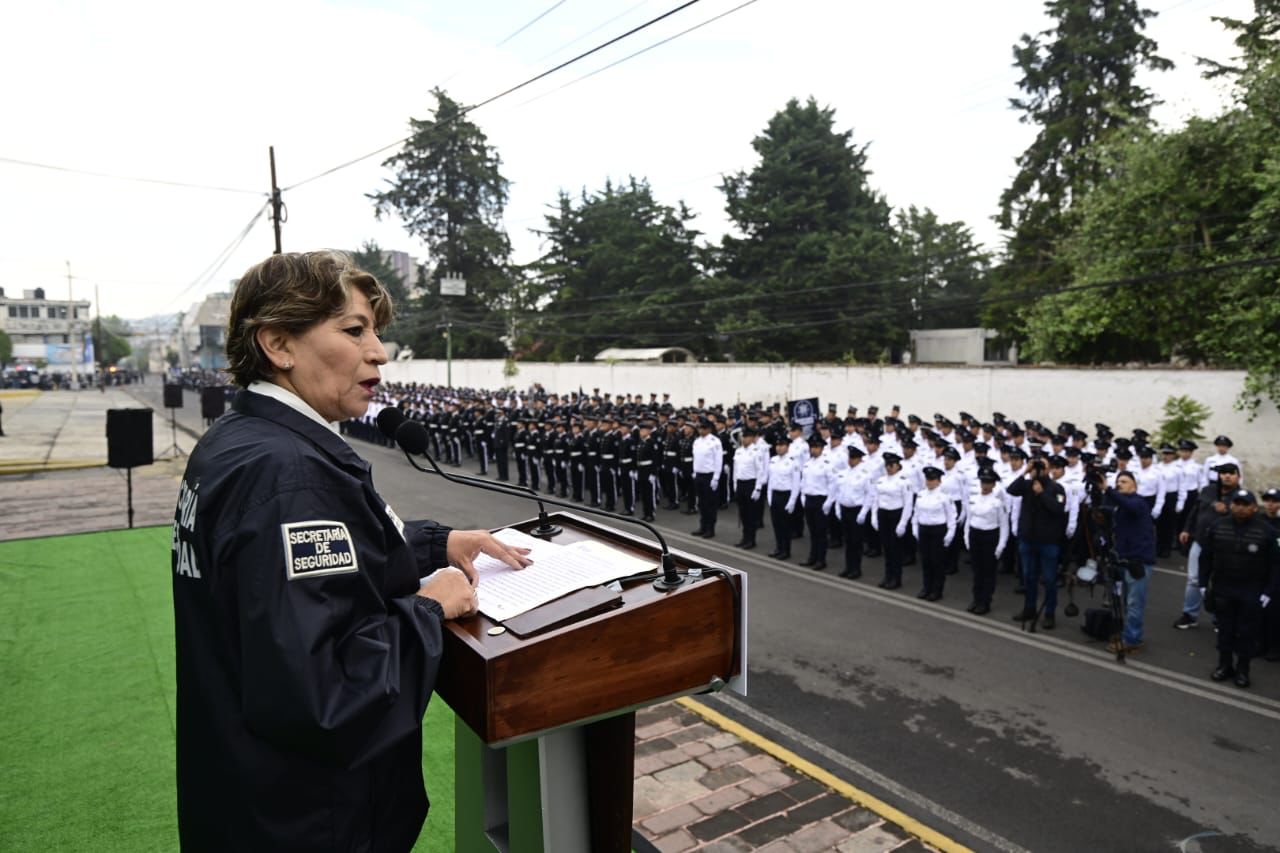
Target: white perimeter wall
(1122, 398)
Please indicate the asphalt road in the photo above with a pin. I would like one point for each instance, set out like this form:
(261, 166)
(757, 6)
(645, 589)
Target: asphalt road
(1003, 740)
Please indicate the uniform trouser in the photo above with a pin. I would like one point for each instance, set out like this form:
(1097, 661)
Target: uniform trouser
(797, 519)
(648, 484)
(576, 477)
(871, 538)
(852, 531)
(747, 509)
(891, 544)
(1010, 561)
(817, 527)
(609, 486)
(1166, 528)
(835, 530)
(667, 479)
(500, 459)
(534, 465)
(982, 551)
(592, 482)
(781, 521)
(933, 558)
(482, 450)
(549, 468)
(708, 503)
(1239, 624)
(687, 487)
(628, 482)
(562, 475)
(433, 436)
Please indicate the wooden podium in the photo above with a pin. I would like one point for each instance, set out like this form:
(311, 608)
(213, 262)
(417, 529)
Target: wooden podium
(545, 739)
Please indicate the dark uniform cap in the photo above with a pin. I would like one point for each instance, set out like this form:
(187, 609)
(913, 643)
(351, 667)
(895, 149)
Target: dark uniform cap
(1187, 444)
(1140, 433)
(750, 431)
(1272, 494)
(1123, 453)
(892, 459)
(914, 419)
(965, 416)
(873, 436)
(1058, 461)
(1146, 451)
(931, 473)
(1222, 440)
(1227, 468)
(854, 452)
(831, 407)
(1017, 453)
(795, 426)
(704, 423)
(1243, 496)
(908, 443)
(981, 447)
(816, 441)
(1073, 451)
(951, 453)
(988, 475)
(1059, 438)
(1088, 458)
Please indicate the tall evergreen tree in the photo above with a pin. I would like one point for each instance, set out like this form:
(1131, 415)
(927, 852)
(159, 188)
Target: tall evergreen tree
(1079, 80)
(816, 249)
(945, 268)
(450, 193)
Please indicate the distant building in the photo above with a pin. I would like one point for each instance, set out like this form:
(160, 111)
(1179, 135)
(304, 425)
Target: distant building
(405, 265)
(960, 346)
(203, 333)
(54, 331)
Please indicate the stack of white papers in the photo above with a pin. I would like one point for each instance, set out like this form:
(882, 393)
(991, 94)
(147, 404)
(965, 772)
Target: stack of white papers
(557, 570)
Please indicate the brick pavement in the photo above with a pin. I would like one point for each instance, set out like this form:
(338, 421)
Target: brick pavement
(700, 788)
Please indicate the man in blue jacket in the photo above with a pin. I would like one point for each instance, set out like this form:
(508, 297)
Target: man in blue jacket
(1135, 541)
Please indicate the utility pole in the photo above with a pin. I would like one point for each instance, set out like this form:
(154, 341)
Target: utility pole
(275, 198)
(97, 340)
(71, 328)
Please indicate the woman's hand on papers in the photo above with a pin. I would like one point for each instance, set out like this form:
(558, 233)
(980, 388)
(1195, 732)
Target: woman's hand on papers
(465, 545)
(454, 591)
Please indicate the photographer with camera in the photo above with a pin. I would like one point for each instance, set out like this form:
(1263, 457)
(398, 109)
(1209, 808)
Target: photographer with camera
(1041, 527)
(1210, 506)
(1135, 546)
(1239, 576)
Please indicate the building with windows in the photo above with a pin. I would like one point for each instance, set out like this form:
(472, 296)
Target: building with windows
(202, 332)
(54, 331)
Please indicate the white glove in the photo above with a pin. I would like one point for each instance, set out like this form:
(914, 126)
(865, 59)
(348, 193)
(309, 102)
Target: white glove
(999, 552)
(755, 496)
(791, 507)
(966, 542)
(715, 484)
(875, 522)
(1071, 531)
(1155, 515)
(1265, 599)
(946, 541)
(900, 531)
(839, 512)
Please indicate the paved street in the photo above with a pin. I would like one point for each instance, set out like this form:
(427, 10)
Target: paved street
(1003, 740)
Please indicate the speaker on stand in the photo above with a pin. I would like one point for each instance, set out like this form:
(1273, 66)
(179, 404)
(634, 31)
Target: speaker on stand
(173, 402)
(129, 444)
(213, 402)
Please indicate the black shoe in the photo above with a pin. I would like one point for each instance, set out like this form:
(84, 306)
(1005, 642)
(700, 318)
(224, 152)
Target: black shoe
(749, 546)
(884, 584)
(973, 605)
(981, 610)
(1222, 673)
(1272, 656)
(819, 566)
(1242, 679)
(909, 561)
(1019, 590)
(690, 512)
(933, 596)
(922, 594)
(672, 506)
(699, 533)
(808, 563)
(775, 554)
(1024, 616)
(1047, 622)
(1185, 621)
(740, 543)
(648, 518)
(781, 556)
(894, 585)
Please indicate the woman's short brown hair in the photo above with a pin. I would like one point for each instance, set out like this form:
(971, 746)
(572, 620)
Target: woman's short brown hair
(294, 292)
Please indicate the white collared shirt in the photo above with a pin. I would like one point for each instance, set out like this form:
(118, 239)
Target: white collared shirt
(293, 401)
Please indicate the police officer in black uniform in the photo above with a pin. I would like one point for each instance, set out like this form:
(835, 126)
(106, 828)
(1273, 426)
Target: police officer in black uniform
(648, 455)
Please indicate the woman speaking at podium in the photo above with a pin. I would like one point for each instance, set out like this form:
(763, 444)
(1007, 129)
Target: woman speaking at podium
(306, 647)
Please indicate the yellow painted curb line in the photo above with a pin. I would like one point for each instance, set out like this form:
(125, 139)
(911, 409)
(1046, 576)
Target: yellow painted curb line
(10, 393)
(859, 796)
(36, 467)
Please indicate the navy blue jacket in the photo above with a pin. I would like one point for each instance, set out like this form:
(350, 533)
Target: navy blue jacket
(1135, 531)
(304, 658)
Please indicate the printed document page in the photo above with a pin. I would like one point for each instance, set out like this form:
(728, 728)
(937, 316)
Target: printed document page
(557, 570)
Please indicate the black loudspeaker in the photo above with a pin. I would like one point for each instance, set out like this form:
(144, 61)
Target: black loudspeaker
(172, 396)
(129, 438)
(213, 402)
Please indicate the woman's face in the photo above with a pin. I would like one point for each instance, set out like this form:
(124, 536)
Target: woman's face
(335, 363)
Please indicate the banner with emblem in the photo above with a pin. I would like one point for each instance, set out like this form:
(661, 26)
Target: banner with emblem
(803, 412)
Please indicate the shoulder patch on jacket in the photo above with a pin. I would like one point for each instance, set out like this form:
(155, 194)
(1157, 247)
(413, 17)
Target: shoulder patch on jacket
(314, 548)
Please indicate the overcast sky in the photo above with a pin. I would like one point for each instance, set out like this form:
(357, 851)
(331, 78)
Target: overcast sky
(196, 92)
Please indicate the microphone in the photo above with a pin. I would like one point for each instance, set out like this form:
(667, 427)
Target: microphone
(412, 438)
(391, 419)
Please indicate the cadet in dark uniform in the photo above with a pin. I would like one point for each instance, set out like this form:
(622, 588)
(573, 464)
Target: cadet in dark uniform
(518, 444)
(670, 466)
(1240, 575)
(577, 449)
(609, 445)
(627, 468)
(306, 650)
(500, 438)
(647, 457)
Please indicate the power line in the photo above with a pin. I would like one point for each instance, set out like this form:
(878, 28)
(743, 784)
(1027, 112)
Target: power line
(465, 110)
(222, 257)
(545, 12)
(133, 178)
(639, 52)
(597, 28)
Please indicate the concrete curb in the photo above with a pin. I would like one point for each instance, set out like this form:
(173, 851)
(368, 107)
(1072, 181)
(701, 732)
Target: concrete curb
(36, 466)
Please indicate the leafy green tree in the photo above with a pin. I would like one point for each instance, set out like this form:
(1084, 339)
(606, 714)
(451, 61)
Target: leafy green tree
(1079, 80)
(621, 269)
(111, 334)
(945, 267)
(450, 193)
(816, 250)
(1183, 418)
(6, 348)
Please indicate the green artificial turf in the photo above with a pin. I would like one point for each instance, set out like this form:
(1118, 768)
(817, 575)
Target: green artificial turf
(87, 699)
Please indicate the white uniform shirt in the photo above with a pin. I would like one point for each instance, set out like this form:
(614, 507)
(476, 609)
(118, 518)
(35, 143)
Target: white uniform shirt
(890, 492)
(708, 456)
(747, 465)
(955, 483)
(1191, 480)
(1211, 476)
(784, 476)
(1150, 485)
(815, 479)
(852, 485)
(989, 512)
(934, 507)
(1171, 475)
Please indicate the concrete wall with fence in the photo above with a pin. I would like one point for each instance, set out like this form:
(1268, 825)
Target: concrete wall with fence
(1123, 398)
